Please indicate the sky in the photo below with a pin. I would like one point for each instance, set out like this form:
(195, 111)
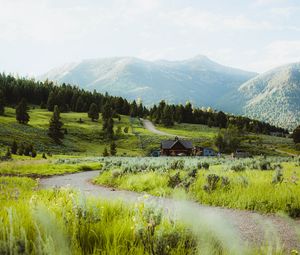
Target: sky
(255, 35)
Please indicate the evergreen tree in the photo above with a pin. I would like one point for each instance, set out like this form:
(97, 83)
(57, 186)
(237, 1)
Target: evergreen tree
(108, 122)
(93, 113)
(43, 105)
(22, 115)
(2, 103)
(21, 149)
(79, 104)
(113, 149)
(133, 109)
(167, 116)
(8, 154)
(14, 147)
(51, 101)
(221, 120)
(188, 113)
(109, 132)
(55, 126)
(105, 152)
(296, 135)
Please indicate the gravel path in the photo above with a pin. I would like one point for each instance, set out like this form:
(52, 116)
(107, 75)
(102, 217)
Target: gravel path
(230, 225)
(149, 126)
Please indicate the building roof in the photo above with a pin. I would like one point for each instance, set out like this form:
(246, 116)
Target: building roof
(168, 144)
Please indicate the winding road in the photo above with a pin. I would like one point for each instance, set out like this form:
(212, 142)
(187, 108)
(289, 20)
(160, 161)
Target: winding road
(233, 227)
(149, 126)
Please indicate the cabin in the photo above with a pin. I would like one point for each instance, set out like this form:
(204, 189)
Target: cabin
(176, 147)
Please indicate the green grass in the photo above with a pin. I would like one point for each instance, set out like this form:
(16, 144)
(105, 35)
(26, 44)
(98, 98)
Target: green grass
(82, 139)
(249, 189)
(63, 222)
(257, 144)
(40, 168)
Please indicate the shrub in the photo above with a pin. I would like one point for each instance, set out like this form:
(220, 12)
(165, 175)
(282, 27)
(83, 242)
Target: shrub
(84, 168)
(177, 164)
(264, 165)
(174, 180)
(238, 167)
(116, 173)
(204, 165)
(212, 182)
(278, 177)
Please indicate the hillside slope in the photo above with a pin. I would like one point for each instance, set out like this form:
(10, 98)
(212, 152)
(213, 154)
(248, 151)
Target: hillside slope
(199, 80)
(273, 97)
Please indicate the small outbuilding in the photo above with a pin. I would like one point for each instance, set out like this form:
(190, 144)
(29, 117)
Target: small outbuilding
(203, 151)
(176, 147)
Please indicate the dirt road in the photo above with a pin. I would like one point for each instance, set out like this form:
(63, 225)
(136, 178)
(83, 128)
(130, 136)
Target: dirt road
(228, 224)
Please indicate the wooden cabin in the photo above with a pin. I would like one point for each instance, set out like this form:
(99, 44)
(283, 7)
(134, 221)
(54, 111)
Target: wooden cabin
(176, 147)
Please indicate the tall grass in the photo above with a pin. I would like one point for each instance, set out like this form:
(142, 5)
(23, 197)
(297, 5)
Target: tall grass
(65, 222)
(243, 184)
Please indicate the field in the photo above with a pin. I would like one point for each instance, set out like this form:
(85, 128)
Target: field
(81, 138)
(65, 221)
(256, 144)
(267, 185)
(84, 139)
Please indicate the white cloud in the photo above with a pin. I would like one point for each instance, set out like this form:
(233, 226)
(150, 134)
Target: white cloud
(276, 54)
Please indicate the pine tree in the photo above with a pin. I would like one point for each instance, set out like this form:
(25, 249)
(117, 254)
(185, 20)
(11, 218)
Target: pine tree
(113, 149)
(108, 122)
(21, 149)
(296, 135)
(22, 115)
(93, 113)
(2, 103)
(51, 101)
(133, 109)
(55, 126)
(79, 104)
(167, 116)
(8, 154)
(110, 129)
(105, 152)
(14, 147)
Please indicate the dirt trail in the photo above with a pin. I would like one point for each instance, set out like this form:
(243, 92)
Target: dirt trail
(149, 126)
(241, 225)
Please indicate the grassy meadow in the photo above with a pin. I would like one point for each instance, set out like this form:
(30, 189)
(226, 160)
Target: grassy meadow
(268, 185)
(64, 221)
(81, 138)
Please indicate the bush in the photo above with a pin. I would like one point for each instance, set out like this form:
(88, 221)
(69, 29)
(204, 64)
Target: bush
(174, 180)
(278, 177)
(204, 165)
(238, 167)
(265, 165)
(212, 182)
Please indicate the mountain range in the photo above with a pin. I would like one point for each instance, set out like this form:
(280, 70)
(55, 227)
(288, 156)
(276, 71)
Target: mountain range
(272, 96)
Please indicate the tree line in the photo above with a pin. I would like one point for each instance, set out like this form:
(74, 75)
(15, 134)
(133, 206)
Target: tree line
(67, 97)
(15, 91)
(167, 114)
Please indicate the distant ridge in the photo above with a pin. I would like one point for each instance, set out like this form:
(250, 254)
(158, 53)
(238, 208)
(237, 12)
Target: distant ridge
(273, 96)
(199, 79)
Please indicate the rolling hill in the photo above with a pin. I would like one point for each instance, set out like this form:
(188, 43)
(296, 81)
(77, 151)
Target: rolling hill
(199, 79)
